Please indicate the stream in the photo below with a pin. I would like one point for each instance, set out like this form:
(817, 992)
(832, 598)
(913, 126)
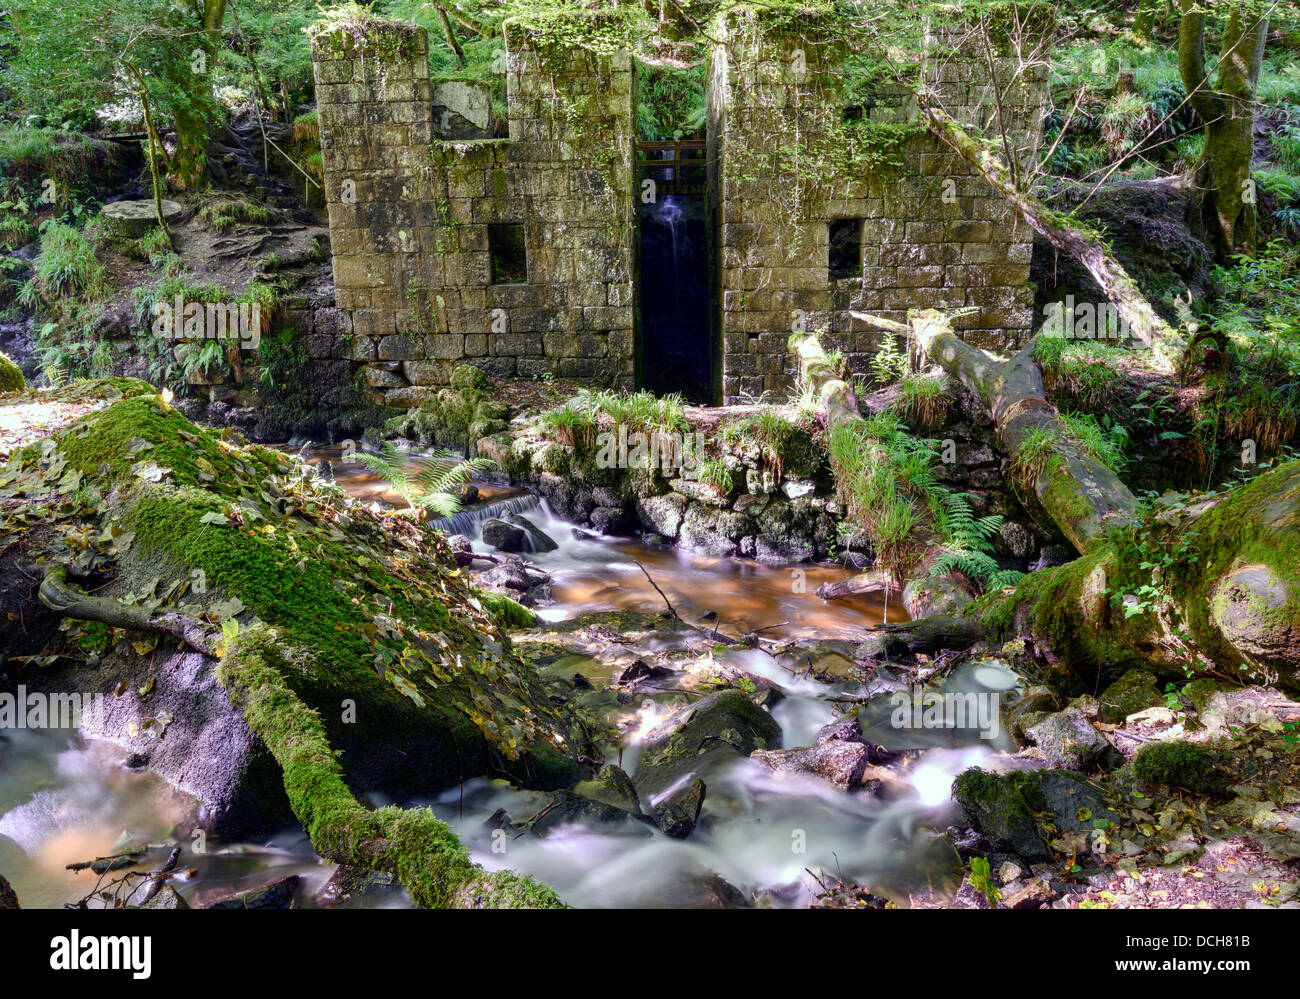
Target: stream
(63, 800)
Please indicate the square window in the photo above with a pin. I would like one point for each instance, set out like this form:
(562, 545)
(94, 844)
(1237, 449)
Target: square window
(506, 247)
(845, 260)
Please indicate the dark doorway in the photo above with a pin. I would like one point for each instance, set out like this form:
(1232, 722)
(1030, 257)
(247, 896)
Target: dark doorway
(676, 343)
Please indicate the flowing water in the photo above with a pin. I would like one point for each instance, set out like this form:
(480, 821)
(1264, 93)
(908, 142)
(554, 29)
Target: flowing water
(63, 801)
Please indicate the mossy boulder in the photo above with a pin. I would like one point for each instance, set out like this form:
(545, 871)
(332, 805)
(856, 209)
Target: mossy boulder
(1135, 690)
(1181, 765)
(392, 645)
(11, 376)
(1019, 811)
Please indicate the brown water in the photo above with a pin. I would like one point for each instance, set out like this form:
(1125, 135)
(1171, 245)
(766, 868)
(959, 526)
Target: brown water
(593, 573)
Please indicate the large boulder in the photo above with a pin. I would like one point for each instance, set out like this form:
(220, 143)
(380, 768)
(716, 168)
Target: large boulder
(135, 218)
(1070, 742)
(185, 520)
(1017, 812)
(714, 729)
(505, 537)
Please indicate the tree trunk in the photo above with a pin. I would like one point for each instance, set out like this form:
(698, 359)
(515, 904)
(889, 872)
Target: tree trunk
(1228, 112)
(1212, 588)
(449, 33)
(419, 850)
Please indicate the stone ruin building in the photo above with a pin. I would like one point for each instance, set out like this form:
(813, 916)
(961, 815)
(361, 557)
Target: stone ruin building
(523, 255)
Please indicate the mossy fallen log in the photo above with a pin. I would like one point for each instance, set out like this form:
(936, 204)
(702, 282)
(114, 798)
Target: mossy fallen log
(1208, 588)
(1082, 496)
(142, 521)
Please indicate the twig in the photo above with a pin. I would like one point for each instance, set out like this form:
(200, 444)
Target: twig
(671, 609)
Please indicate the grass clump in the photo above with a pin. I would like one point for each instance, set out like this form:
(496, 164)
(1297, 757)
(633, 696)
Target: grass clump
(65, 267)
(923, 400)
(224, 214)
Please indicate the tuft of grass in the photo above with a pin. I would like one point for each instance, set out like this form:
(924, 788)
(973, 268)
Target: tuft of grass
(768, 432)
(714, 473)
(224, 214)
(573, 424)
(1079, 429)
(65, 267)
(1083, 370)
(923, 400)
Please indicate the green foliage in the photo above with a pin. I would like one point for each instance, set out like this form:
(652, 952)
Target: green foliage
(73, 59)
(889, 364)
(981, 880)
(670, 102)
(573, 424)
(1278, 183)
(1085, 371)
(638, 411)
(768, 432)
(426, 484)
(225, 213)
(923, 399)
(885, 479)
(66, 266)
(713, 473)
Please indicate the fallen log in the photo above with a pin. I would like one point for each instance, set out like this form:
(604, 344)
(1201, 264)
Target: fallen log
(1206, 589)
(873, 581)
(1082, 496)
(1167, 344)
(419, 850)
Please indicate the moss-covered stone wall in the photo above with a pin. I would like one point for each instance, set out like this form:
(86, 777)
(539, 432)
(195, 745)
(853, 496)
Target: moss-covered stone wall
(797, 141)
(410, 213)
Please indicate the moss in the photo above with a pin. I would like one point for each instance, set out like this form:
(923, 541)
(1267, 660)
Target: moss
(1179, 764)
(144, 430)
(418, 849)
(11, 376)
(466, 376)
(509, 613)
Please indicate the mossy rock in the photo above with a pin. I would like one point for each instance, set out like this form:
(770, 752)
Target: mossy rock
(396, 644)
(1200, 691)
(11, 376)
(997, 808)
(1016, 809)
(509, 613)
(1181, 765)
(1135, 690)
(466, 376)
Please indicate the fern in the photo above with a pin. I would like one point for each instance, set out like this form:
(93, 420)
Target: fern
(426, 484)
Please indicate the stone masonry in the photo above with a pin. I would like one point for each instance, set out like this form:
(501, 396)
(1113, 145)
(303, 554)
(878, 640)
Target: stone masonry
(933, 234)
(410, 214)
